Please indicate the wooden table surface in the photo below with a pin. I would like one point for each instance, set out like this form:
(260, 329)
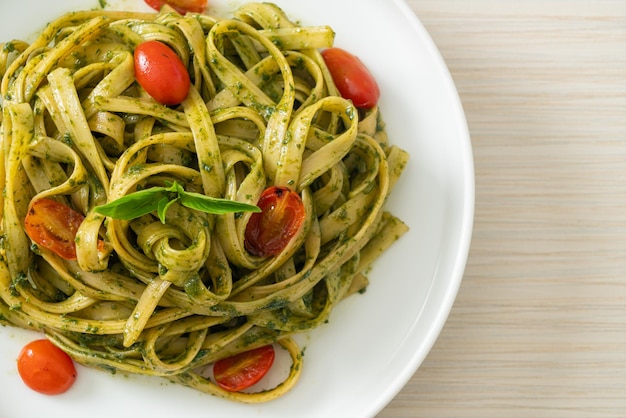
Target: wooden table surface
(539, 325)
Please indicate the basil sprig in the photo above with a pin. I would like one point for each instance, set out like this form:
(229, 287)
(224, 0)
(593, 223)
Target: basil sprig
(159, 199)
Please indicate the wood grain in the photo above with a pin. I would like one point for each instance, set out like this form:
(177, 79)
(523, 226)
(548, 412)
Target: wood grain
(539, 325)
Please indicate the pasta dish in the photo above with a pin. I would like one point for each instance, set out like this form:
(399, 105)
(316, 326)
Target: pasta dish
(172, 289)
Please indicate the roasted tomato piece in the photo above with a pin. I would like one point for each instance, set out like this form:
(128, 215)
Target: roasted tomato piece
(53, 226)
(243, 370)
(45, 368)
(282, 213)
(181, 6)
(352, 78)
(160, 71)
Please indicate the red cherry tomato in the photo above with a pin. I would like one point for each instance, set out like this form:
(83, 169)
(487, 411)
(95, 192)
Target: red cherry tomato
(45, 368)
(243, 370)
(53, 225)
(161, 73)
(181, 6)
(282, 213)
(352, 78)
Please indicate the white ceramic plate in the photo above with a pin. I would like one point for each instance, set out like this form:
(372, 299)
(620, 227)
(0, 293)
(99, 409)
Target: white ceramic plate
(374, 342)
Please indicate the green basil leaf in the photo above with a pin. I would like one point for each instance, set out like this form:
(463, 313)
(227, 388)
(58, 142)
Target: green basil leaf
(214, 205)
(133, 205)
(163, 206)
(174, 187)
(159, 199)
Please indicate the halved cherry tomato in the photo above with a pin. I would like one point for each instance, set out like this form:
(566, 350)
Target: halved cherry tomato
(282, 213)
(45, 368)
(352, 78)
(243, 370)
(181, 6)
(53, 225)
(160, 71)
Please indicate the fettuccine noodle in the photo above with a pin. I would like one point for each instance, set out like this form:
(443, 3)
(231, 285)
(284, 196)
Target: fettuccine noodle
(170, 299)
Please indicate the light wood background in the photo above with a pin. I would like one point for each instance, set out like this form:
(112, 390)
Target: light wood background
(539, 325)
